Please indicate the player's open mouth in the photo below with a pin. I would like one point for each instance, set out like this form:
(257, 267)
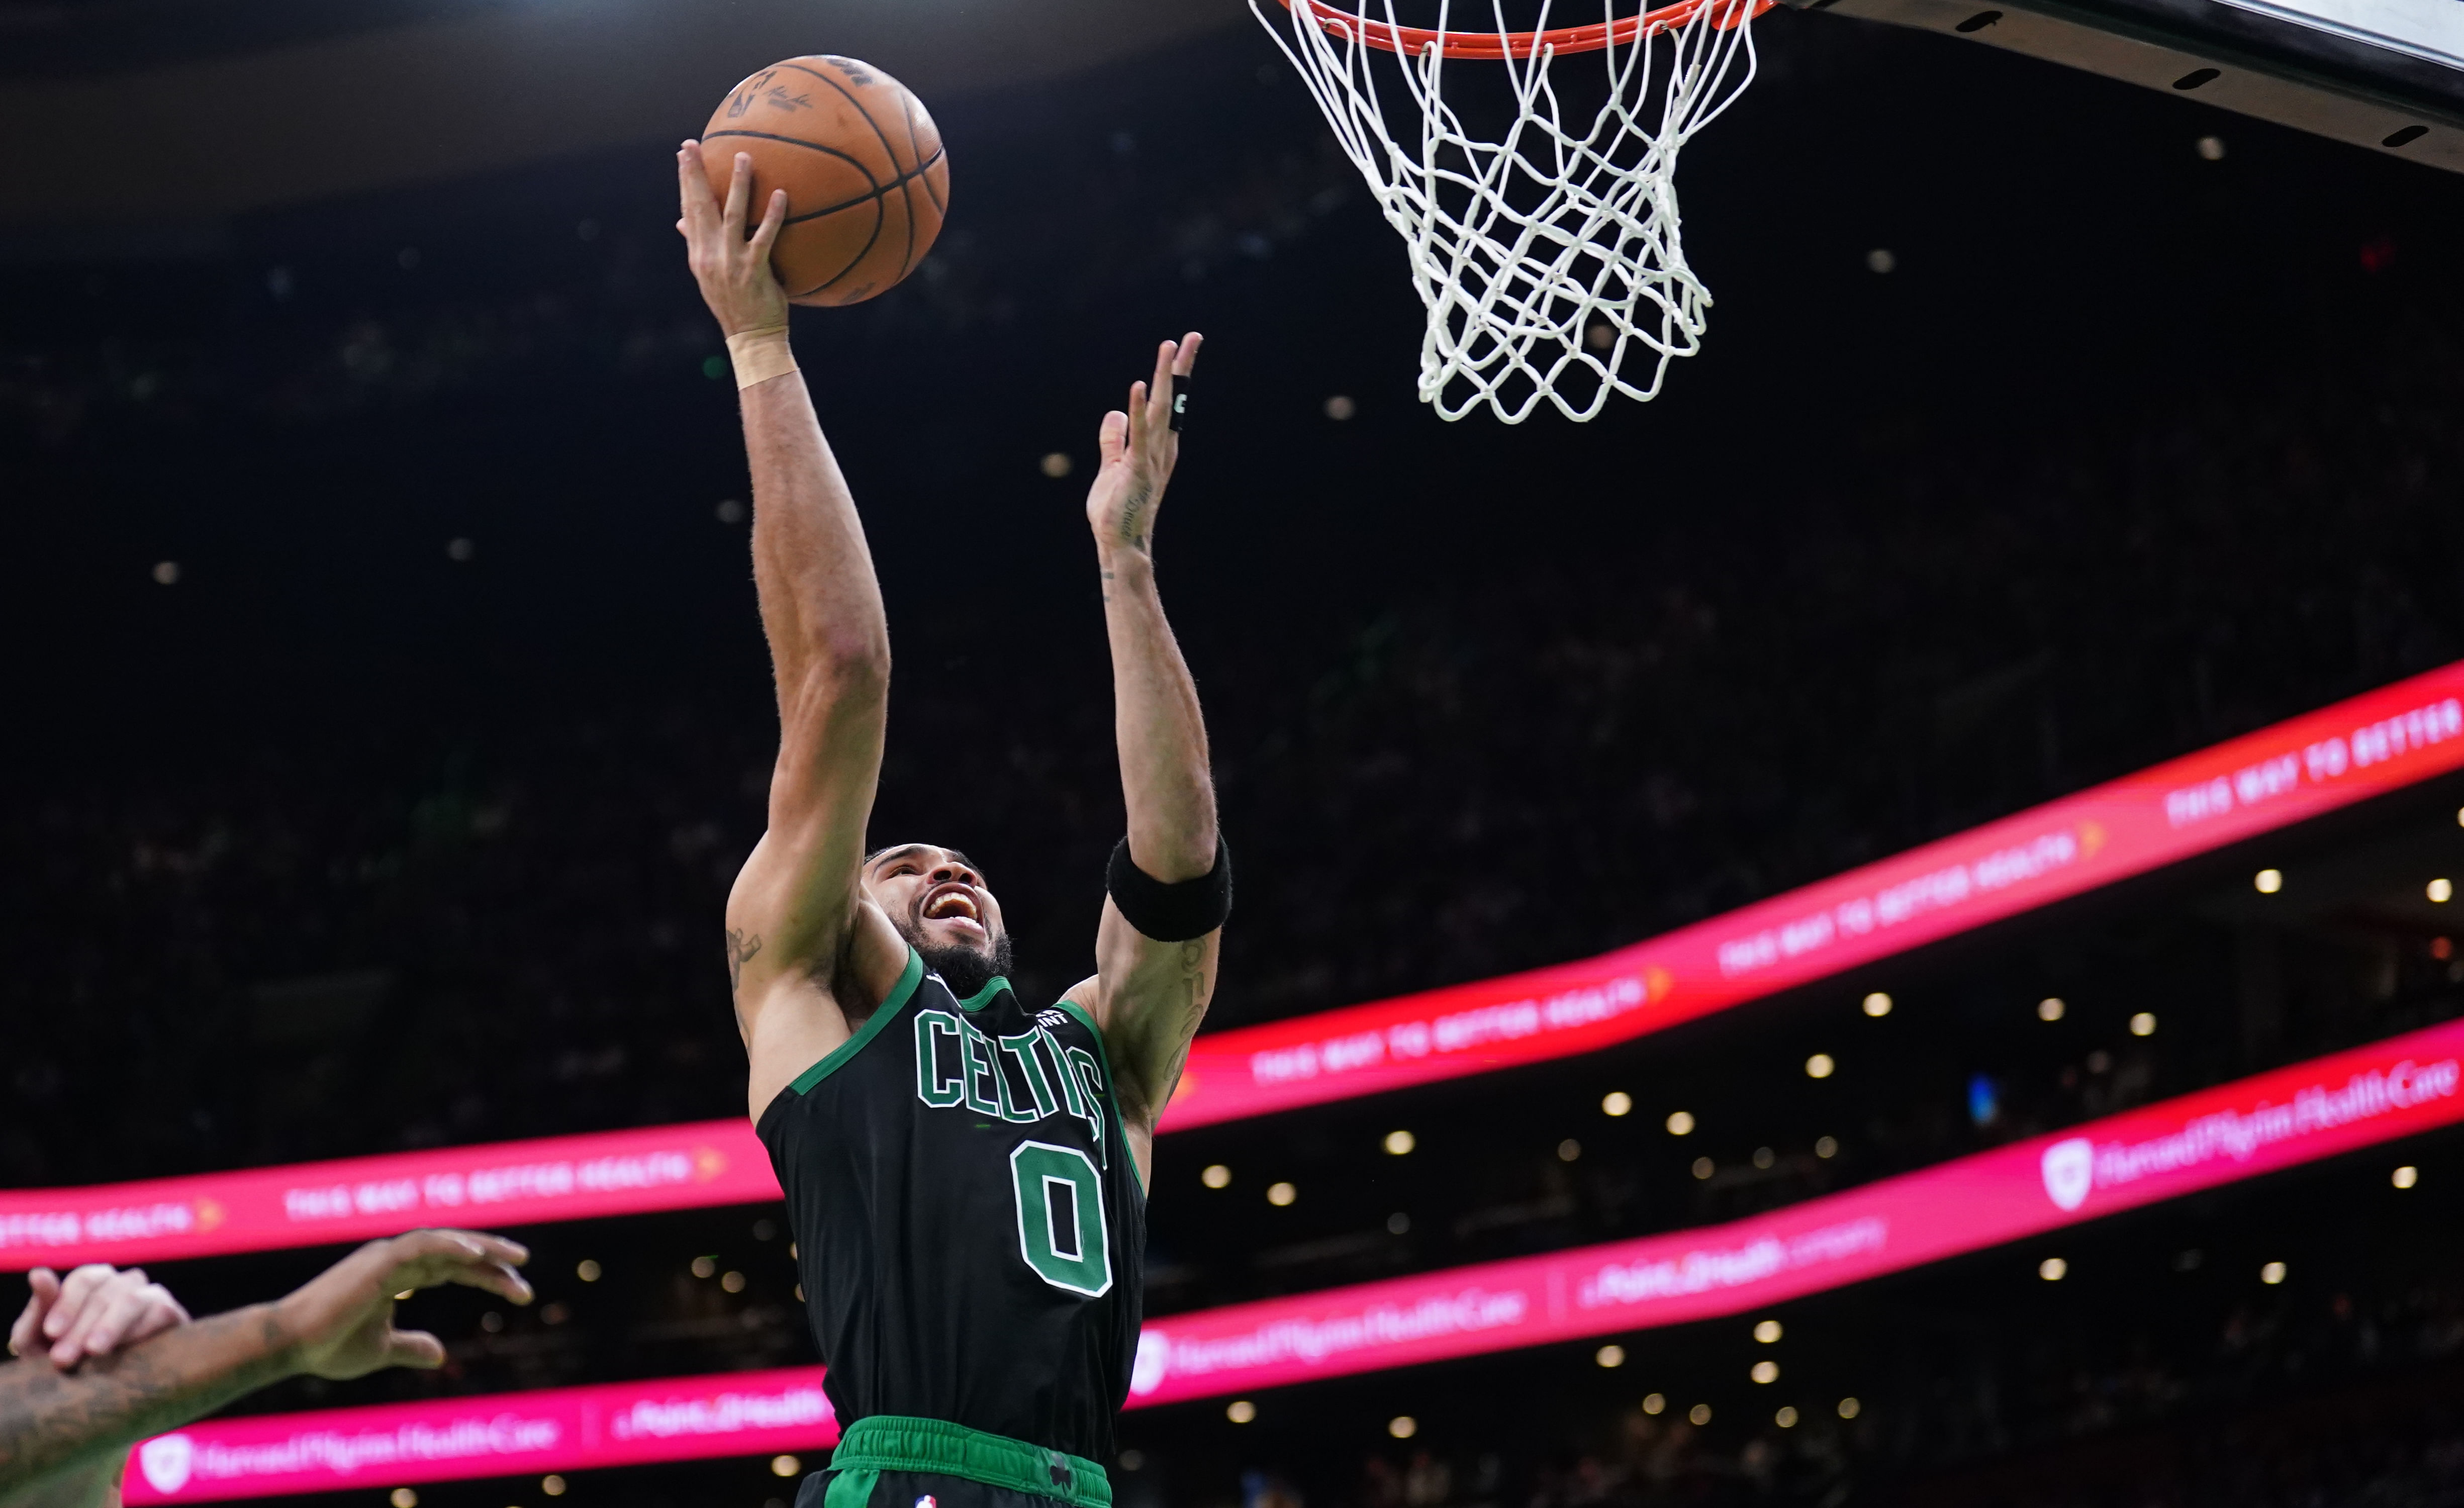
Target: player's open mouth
(953, 904)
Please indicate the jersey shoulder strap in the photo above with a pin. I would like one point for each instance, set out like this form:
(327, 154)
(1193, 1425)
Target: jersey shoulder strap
(887, 1012)
(893, 1005)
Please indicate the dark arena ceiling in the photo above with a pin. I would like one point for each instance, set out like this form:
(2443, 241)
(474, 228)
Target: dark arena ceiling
(195, 110)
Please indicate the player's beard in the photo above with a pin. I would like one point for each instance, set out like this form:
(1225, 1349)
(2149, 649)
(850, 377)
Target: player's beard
(965, 970)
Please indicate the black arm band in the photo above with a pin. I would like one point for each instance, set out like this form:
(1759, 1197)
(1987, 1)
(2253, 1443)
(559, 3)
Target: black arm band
(1170, 913)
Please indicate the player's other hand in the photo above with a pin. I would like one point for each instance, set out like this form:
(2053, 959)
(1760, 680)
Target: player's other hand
(341, 1323)
(732, 267)
(1139, 448)
(92, 1312)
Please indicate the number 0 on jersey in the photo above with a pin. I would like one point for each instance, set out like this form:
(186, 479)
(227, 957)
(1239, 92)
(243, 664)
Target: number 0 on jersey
(1060, 1228)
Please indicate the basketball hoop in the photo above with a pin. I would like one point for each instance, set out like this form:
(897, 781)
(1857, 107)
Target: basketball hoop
(1544, 256)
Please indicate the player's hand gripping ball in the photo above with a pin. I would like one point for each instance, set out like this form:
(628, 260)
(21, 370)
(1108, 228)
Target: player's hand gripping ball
(865, 176)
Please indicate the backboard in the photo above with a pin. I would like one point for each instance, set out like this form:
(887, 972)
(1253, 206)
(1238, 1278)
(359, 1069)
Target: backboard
(2384, 75)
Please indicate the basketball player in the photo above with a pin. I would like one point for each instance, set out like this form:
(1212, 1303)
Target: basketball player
(965, 1175)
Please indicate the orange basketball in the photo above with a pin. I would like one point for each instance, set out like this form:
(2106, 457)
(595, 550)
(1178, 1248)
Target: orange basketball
(866, 179)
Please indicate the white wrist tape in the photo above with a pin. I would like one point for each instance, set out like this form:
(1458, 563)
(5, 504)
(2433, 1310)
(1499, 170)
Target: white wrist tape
(760, 355)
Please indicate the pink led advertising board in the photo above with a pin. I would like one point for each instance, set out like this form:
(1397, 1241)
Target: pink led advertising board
(2317, 762)
(351, 1199)
(2372, 744)
(2279, 1120)
(551, 1429)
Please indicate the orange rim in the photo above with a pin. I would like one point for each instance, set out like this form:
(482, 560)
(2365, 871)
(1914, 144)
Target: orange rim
(1495, 45)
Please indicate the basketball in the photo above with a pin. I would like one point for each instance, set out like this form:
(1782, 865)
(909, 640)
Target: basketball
(866, 179)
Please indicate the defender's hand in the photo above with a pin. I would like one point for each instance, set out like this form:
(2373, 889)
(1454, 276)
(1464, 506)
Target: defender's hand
(733, 269)
(340, 1323)
(1138, 447)
(90, 1313)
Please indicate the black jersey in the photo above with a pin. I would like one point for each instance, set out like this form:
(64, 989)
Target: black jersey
(969, 1226)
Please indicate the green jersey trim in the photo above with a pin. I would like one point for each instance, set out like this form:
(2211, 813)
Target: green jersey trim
(977, 1001)
(909, 978)
(1114, 1099)
(898, 1443)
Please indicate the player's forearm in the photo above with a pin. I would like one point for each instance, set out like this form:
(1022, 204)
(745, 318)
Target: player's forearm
(1165, 779)
(820, 607)
(55, 1423)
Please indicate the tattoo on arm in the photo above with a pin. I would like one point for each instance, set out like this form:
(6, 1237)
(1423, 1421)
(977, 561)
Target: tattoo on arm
(742, 946)
(1192, 1011)
(51, 1420)
(1193, 979)
(1133, 515)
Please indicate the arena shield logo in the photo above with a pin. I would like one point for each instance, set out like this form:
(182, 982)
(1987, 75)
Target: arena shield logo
(166, 1461)
(1154, 1360)
(2070, 1171)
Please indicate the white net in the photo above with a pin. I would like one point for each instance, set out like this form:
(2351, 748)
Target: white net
(1548, 255)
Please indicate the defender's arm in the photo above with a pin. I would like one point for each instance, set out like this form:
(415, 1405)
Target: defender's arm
(55, 1424)
(93, 1312)
(60, 1431)
(800, 945)
(1149, 995)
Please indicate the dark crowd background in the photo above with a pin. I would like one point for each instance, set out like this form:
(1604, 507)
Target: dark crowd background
(391, 715)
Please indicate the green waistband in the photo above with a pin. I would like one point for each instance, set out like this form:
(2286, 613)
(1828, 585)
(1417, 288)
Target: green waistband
(896, 1443)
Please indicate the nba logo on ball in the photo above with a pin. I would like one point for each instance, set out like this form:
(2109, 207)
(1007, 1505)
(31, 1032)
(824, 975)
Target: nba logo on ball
(2070, 1171)
(165, 1462)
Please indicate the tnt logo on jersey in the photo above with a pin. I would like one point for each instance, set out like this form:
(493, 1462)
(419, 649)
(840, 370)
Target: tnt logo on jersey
(1021, 1078)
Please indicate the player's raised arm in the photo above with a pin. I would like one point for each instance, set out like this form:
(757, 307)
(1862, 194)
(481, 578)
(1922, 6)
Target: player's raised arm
(1170, 882)
(799, 960)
